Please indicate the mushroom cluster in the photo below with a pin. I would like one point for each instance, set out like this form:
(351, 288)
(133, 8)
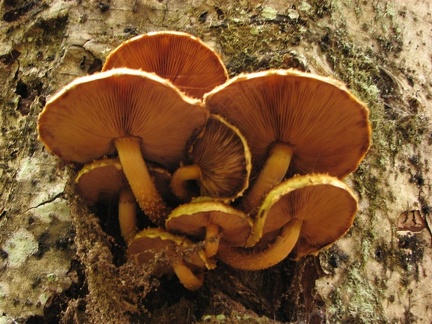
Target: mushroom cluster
(247, 170)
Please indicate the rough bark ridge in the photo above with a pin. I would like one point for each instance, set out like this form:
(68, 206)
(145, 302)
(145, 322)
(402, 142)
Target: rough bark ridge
(62, 262)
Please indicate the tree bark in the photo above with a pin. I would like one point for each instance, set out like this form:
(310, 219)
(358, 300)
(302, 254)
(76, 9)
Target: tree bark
(62, 262)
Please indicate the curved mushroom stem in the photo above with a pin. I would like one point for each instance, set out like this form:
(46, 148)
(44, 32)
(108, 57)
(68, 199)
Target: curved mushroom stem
(127, 214)
(212, 240)
(143, 188)
(186, 276)
(181, 176)
(272, 173)
(275, 253)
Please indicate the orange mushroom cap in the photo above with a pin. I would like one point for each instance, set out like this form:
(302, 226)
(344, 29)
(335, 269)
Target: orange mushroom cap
(101, 180)
(132, 112)
(325, 206)
(104, 180)
(190, 64)
(306, 213)
(327, 127)
(294, 123)
(183, 256)
(196, 218)
(221, 163)
(79, 123)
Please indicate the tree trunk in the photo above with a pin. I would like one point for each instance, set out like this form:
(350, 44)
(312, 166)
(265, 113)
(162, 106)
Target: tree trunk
(61, 261)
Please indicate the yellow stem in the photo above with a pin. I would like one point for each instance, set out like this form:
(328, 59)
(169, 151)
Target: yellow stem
(186, 276)
(127, 214)
(140, 181)
(212, 240)
(275, 253)
(272, 173)
(180, 178)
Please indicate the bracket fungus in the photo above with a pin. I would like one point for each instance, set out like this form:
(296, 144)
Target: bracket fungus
(135, 113)
(306, 214)
(183, 59)
(213, 221)
(295, 123)
(221, 164)
(186, 259)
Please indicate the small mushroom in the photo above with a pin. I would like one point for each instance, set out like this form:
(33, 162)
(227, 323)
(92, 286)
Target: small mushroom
(221, 164)
(310, 211)
(294, 123)
(190, 64)
(212, 221)
(132, 112)
(324, 205)
(104, 180)
(182, 255)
